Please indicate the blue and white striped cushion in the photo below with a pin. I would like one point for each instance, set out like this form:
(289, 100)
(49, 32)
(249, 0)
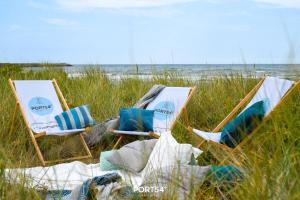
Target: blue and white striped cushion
(75, 118)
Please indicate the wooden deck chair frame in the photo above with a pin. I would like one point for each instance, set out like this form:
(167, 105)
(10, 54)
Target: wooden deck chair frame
(224, 153)
(34, 136)
(153, 134)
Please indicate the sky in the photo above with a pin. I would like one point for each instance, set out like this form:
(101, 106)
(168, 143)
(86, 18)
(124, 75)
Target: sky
(150, 31)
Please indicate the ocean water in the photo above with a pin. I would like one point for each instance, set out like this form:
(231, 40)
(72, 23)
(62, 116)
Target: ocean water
(192, 71)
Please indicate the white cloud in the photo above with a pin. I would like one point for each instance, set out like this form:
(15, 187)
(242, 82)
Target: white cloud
(60, 22)
(281, 3)
(90, 4)
(156, 12)
(37, 5)
(15, 27)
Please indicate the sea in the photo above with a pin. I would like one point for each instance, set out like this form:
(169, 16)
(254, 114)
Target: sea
(191, 71)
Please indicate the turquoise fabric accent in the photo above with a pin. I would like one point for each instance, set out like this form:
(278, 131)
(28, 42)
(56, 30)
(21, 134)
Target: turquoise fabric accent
(84, 114)
(75, 118)
(67, 120)
(229, 174)
(237, 129)
(135, 119)
(105, 165)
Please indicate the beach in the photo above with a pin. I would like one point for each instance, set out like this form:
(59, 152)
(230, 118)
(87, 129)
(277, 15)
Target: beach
(271, 152)
(188, 71)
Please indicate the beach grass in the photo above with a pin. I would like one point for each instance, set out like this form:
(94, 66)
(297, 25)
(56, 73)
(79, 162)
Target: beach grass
(273, 154)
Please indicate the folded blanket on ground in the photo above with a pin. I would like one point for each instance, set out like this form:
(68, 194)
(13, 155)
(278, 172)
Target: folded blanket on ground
(100, 187)
(177, 181)
(133, 156)
(100, 130)
(65, 176)
(168, 152)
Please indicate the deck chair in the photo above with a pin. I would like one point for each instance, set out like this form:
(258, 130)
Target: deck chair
(274, 89)
(168, 106)
(39, 102)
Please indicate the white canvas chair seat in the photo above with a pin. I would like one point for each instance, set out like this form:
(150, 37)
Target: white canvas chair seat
(167, 106)
(272, 90)
(41, 104)
(208, 136)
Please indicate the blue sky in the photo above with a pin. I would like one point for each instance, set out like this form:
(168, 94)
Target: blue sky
(150, 31)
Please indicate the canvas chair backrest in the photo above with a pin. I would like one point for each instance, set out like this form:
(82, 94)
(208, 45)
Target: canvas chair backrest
(167, 106)
(271, 91)
(40, 103)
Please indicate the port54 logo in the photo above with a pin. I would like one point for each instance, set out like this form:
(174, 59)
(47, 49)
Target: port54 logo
(164, 110)
(40, 106)
(150, 189)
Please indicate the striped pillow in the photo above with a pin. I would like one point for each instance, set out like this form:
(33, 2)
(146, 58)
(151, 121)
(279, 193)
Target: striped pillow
(75, 118)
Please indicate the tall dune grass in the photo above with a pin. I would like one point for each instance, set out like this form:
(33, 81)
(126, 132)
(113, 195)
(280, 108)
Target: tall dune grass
(272, 167)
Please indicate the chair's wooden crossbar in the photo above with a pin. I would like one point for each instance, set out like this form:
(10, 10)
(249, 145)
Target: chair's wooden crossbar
(120, 139)
(153, 134)
(34, 136)
(38, 135)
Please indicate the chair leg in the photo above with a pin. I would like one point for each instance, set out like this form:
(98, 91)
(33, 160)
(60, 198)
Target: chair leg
(186, 116)
(118, 142)
(234, 158)
(200, 144)
(37, 148)
(85, 146)
(13, 122)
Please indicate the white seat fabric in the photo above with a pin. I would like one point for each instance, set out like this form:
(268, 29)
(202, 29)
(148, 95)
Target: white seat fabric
(167, 106)
(272, 90)
(41, 104)
(209, 136)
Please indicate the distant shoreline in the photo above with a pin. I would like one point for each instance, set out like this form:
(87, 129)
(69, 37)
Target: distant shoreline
(35, 65)
(193, 71)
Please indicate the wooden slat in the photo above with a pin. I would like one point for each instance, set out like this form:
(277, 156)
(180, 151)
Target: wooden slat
(85, 145)
(154, 135)
(193, 89)
(61, 96)
(118, 142)
(38, 135)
